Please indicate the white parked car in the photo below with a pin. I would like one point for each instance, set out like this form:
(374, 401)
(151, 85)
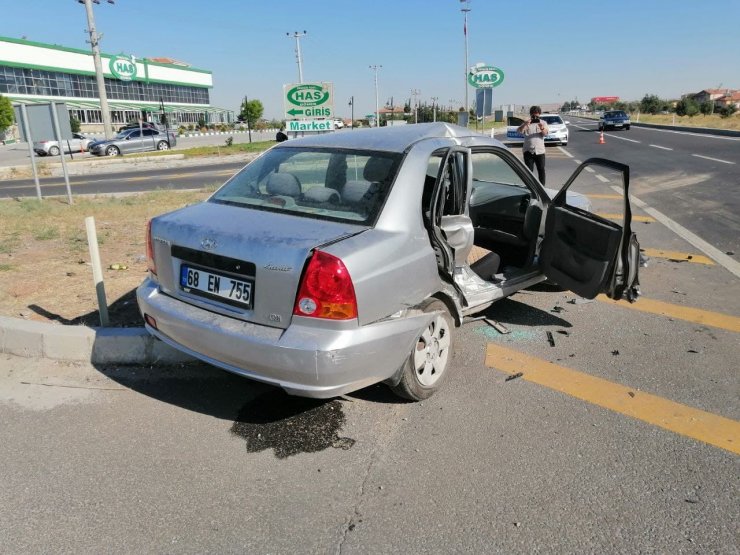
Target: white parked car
(558, 129)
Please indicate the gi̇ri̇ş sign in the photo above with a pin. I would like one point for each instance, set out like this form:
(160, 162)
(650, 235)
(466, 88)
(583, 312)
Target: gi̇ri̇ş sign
(123, 68)
(482, 76)
(308, 100)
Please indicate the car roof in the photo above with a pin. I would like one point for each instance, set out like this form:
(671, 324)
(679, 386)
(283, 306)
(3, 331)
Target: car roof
(390, 139)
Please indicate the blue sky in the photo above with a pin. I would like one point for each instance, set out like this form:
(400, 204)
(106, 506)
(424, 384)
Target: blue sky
(550, 50)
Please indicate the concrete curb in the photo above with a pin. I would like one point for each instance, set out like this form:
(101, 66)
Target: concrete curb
(82, 344)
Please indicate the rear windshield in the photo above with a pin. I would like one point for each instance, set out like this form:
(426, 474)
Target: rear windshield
(341, 185)
(618, 114)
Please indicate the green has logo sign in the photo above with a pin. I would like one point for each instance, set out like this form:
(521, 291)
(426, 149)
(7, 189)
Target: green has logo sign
(309, 100)
(123, 68)
(482, 77)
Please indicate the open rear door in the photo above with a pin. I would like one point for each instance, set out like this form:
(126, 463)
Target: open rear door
(589, 254)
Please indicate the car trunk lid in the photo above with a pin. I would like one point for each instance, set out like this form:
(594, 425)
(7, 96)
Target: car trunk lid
(238, 261)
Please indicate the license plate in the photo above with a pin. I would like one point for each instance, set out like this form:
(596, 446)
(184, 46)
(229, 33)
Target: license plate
(617, 124)
(228, 289)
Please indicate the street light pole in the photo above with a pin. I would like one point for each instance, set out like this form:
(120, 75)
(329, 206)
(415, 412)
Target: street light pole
(465, 11)
(100, 79)
(434, 108)
(375, 68)
(298, 57)
(415, 93)
(352, 103)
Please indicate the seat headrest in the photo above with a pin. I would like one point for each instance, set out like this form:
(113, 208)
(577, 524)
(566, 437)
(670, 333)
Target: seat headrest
(377, 169)
(285, 184)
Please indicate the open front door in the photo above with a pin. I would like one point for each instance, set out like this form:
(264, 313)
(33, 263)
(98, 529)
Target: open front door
(589, 254)
(451, 228)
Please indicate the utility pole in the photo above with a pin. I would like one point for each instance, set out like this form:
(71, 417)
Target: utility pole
(465, 11)
(415, 93)
(434, 108)
(100, 79)
(298, 57)
(352, 103)
(375, 68)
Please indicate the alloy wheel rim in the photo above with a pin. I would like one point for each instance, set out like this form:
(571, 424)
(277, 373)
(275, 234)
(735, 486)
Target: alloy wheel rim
(432, 352)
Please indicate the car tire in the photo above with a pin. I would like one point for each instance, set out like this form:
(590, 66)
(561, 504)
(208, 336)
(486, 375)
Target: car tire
(54, 151)
(601, 127)
(163, 145)
(564, 143)
(112, 151)
(428, 363)
(627, 127)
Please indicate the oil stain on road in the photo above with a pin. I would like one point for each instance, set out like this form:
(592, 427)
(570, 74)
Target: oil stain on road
(291, 425)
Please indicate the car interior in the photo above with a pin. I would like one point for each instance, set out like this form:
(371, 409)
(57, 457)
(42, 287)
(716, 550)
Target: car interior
(504, 213)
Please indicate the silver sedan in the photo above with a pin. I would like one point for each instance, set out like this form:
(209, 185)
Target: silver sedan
(134, 140)
(341, 260)
(50, 147)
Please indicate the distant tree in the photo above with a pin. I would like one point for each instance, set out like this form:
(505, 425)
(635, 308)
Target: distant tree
(7, 116)
(727, 111)
(251, 111)
(651, 103)
(707, 107)
(687, 106)
(74, 124)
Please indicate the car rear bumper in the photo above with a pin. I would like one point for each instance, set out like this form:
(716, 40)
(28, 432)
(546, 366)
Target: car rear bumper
(303, 359)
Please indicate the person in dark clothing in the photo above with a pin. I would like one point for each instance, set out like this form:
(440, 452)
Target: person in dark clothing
(281, 136)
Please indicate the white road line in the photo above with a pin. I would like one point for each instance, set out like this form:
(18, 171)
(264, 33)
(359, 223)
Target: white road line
(590, 169)
(568, 154)
(661, 147)
(623, 138)
(705, 135)
(602, 178)
(712, 252)
(577, 161)
(713, 159)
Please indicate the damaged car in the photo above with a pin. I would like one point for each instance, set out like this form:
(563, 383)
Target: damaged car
(337, 261)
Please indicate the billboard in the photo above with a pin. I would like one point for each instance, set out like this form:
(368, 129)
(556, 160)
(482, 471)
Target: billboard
(604, 99)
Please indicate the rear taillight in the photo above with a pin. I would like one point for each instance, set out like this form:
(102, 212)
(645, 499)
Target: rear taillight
(326, 290)
(150, 249)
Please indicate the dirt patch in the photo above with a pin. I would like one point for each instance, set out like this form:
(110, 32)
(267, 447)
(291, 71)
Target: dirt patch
(45, 270)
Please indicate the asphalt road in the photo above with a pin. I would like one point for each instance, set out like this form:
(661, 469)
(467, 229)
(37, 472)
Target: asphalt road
(621, 435)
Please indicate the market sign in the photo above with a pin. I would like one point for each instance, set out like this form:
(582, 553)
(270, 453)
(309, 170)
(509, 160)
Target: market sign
(123, 68)
(310, 125)
(482, 76)
(308, 100)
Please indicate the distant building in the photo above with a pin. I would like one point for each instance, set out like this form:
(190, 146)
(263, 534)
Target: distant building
(720, 97)
(34, 72)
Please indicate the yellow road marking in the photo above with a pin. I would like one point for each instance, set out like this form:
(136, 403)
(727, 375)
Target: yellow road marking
(674, 255)
(136, 179)
(681, 419)
(634, 218)
(604, 196)
(686, 313)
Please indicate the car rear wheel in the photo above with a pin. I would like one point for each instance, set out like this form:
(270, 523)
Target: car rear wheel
(627, 127)
(54, 151)
(428, 363)
(112, 151)
(162, 145)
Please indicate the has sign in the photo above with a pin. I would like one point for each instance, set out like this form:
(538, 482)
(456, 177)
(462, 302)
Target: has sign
(123, 68)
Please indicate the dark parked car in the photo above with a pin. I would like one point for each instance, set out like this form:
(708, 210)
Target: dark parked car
(615, 119)
(337, 261)
(134, 140)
